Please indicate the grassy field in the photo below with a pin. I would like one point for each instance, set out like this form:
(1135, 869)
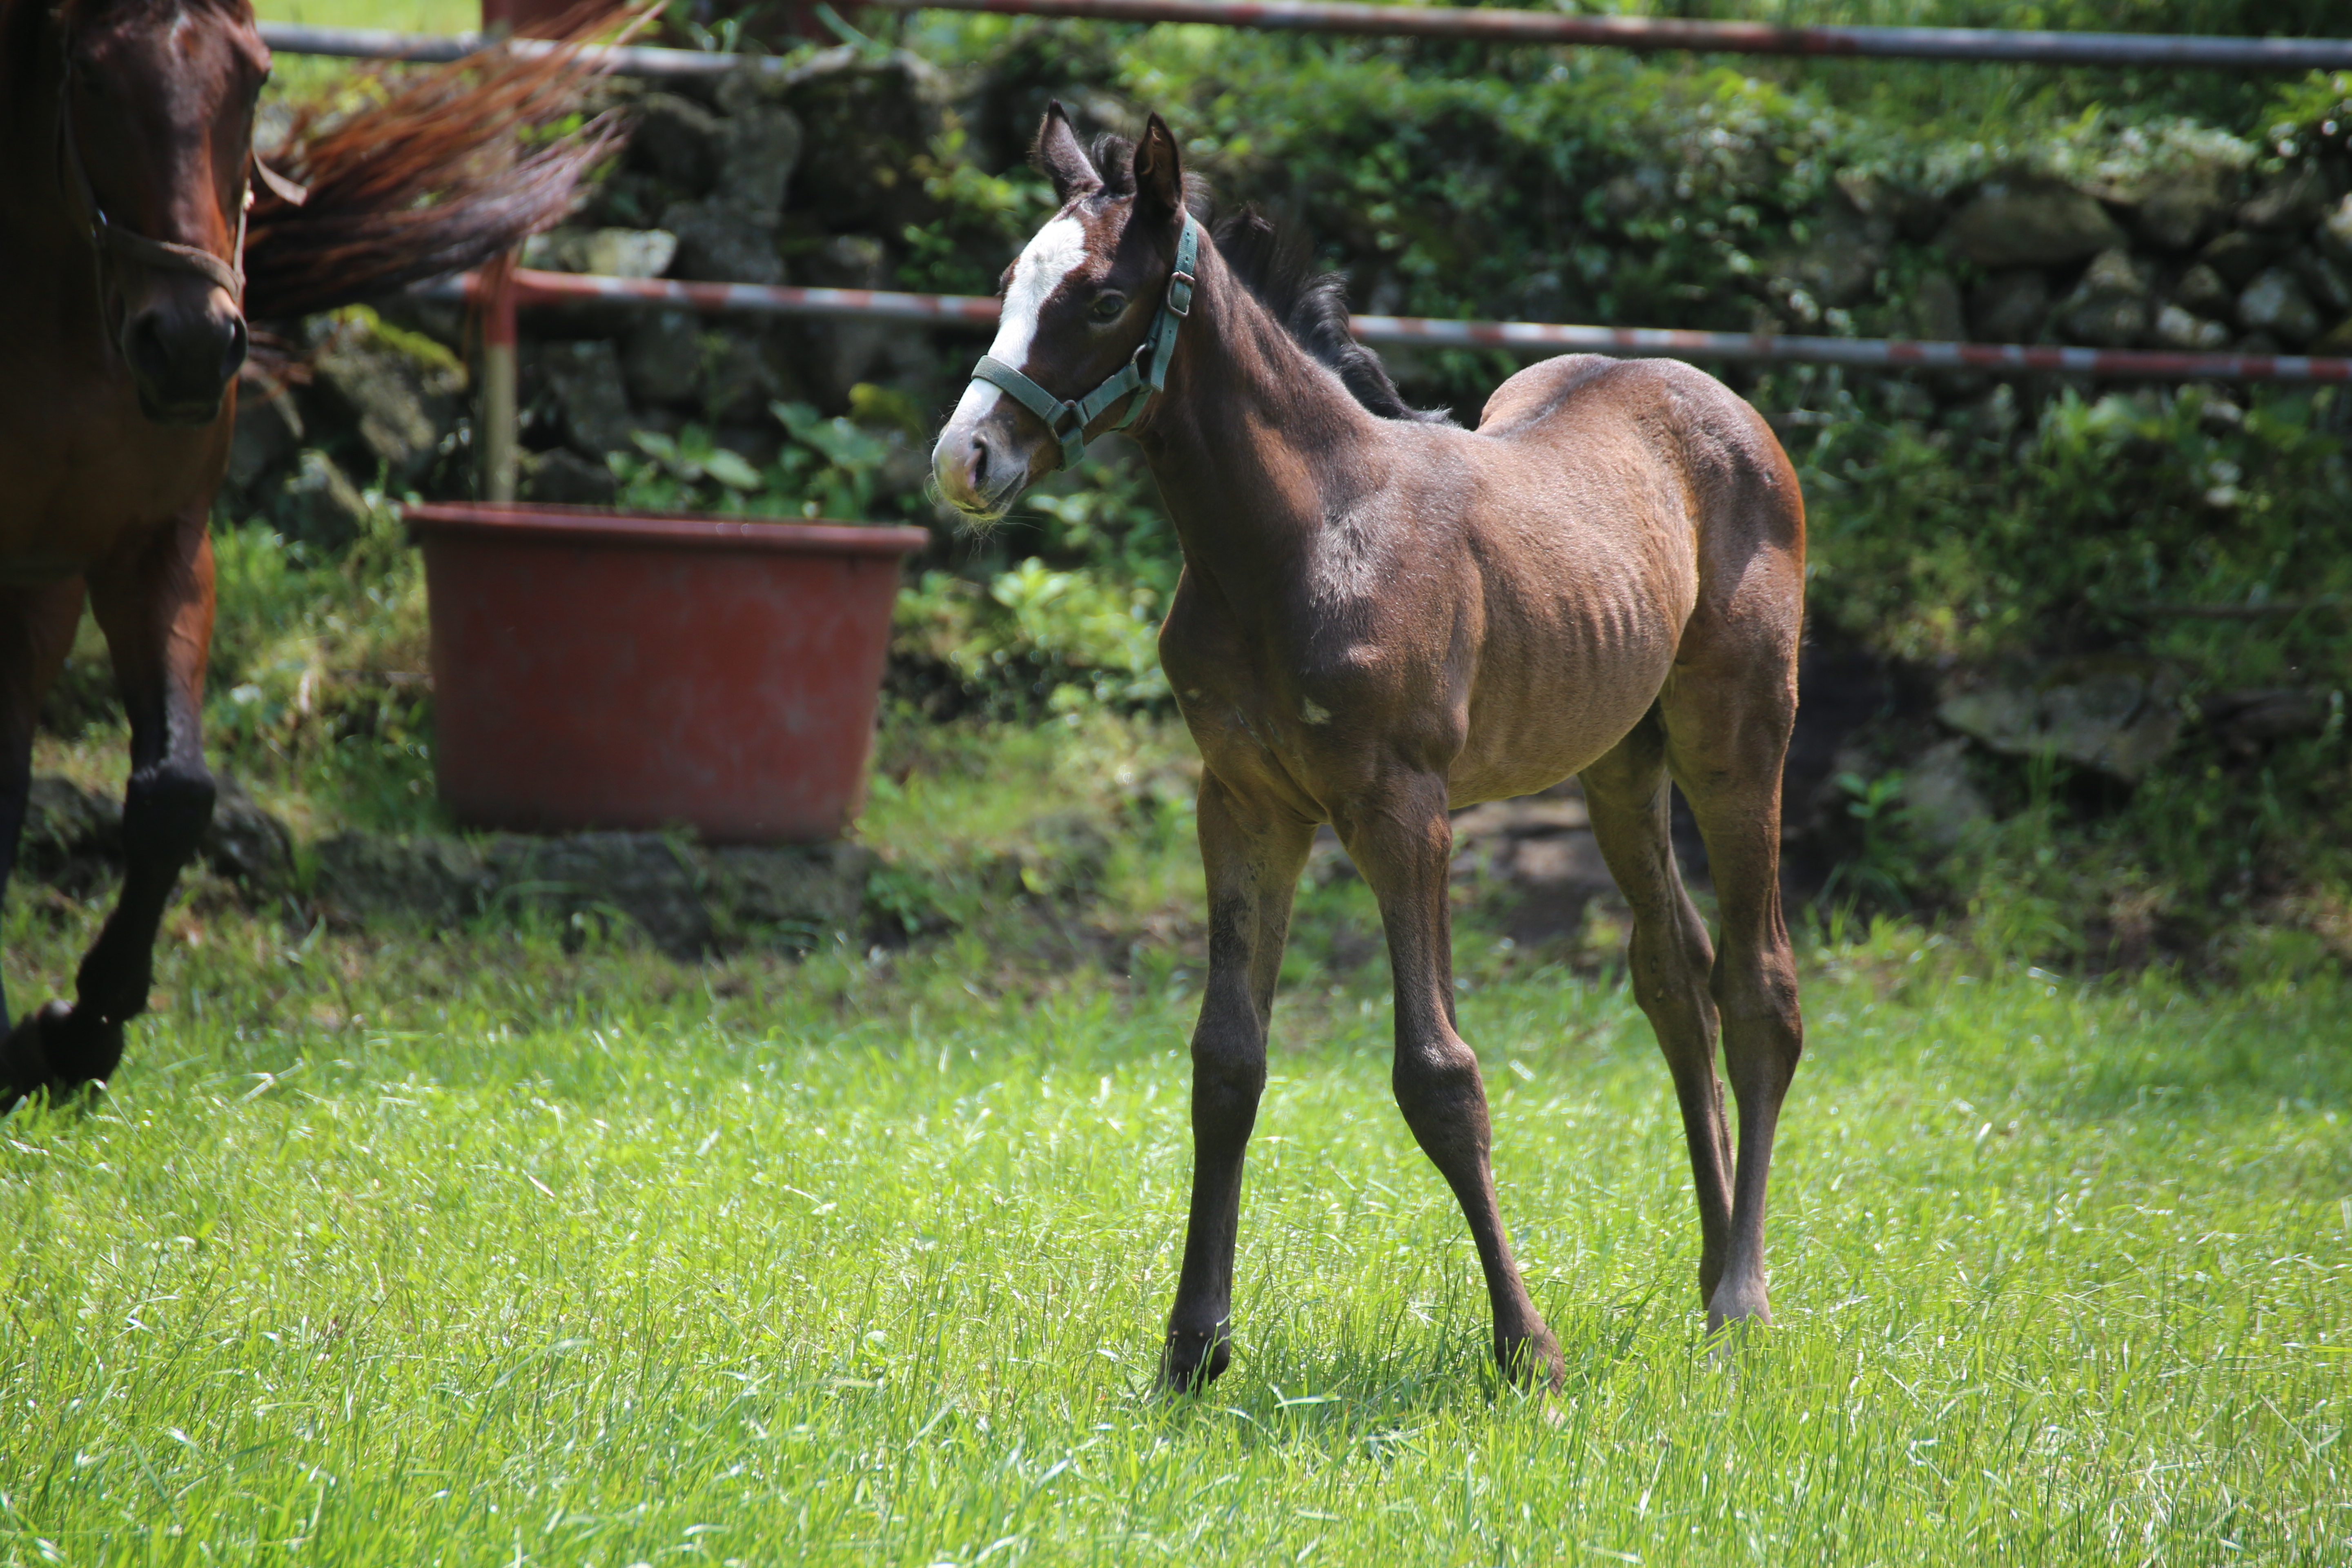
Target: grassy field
(459, 1250)
(462, 1249)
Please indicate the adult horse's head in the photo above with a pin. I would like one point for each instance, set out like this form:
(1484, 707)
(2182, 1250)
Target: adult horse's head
(154, 140)
(1092, 306)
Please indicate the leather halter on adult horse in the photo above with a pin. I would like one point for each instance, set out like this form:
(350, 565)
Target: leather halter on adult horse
(123, 299)
(1382, 615)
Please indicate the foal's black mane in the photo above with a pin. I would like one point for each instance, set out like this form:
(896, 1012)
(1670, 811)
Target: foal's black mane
(1279, 271)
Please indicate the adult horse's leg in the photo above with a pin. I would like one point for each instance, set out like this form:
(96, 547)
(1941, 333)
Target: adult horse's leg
(37, 628)
(156, 607)
(1252, 859)
(1402, 842)
(1727, 719)
(1628, 796)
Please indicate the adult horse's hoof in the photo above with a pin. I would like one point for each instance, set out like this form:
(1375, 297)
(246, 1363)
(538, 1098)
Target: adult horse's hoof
(56, 1051)
(1531, 1361)
(1190, 1362)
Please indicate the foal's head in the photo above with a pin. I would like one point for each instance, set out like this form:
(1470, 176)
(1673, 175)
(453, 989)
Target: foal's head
(156, 135)
(1080, 302)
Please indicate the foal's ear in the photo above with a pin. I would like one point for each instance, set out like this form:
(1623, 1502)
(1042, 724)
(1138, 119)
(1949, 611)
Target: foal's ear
(1057, 156)
(1159, 178)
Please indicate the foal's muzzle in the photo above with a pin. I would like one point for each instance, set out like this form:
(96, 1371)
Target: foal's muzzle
(982, 464)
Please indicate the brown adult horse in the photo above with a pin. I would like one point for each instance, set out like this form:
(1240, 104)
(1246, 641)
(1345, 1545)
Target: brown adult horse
(123, 299)
(1382, 615)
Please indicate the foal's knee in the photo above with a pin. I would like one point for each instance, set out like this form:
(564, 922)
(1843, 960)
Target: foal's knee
(1436, 1078)
(1668, 975)
(1229, 1059)
(1761, 1019)
(165, 810)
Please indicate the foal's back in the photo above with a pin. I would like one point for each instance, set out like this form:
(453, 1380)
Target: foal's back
(1614, 512)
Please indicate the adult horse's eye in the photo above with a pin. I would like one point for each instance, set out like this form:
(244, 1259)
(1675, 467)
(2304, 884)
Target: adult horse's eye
(1107, 307)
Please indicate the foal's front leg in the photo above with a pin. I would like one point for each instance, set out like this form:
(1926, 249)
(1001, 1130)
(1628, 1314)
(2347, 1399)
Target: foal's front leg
(1402, 842)
(1252, 857)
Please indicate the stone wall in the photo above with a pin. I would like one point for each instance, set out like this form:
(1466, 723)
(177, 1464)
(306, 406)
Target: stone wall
(2175, 239)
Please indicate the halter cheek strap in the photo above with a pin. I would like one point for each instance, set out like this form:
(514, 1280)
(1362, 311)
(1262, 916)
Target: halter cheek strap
(1145, 371)
(110, 238)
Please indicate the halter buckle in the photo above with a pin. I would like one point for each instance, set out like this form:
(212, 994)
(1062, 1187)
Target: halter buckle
(1179, 306)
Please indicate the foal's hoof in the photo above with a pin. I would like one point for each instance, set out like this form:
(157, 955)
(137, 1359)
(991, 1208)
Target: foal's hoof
(1531, 1361)
(56, 1051)
(1190, 1362)
(1734, 1313)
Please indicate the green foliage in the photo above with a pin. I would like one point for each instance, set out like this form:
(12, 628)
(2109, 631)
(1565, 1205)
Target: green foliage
(1073, 618)
(831, 468)
(1988, 532)
(2166, 521)
(987, 216)
(1884, 870)
(1078, 636)
(317, 686)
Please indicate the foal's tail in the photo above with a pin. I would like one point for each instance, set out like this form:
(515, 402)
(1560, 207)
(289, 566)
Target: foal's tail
(445, 170)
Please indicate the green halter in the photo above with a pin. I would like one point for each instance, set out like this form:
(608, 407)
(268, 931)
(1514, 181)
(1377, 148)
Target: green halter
(1067, 419)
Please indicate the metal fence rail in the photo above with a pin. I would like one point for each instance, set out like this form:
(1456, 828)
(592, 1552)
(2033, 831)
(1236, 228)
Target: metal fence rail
(533, 288)
(431, 49)
(1480, 23)
(1497, 25)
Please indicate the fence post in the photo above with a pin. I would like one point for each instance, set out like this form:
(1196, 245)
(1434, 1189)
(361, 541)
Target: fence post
(499, 416)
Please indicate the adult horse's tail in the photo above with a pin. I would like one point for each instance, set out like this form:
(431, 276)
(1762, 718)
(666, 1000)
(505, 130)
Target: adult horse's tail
(436, 175)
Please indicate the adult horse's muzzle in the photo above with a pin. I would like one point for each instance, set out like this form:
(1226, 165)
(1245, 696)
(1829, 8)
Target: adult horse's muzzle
(184, 345)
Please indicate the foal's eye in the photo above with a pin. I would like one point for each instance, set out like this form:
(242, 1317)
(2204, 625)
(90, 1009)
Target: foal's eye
(1107, 307)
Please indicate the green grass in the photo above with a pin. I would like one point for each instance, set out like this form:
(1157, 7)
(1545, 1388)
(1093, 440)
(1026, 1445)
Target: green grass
(399, 16)
(456, 1249)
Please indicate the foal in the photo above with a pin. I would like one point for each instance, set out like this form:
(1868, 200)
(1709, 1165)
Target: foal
(1381, 617)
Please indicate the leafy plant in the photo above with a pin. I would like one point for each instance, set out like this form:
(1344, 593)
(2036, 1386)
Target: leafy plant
(1883, 868)
(839, 468)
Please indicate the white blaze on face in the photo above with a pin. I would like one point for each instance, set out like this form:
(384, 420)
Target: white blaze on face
(1052, 254)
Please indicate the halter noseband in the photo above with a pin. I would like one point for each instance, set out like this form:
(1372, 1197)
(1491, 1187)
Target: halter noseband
(1066, 418)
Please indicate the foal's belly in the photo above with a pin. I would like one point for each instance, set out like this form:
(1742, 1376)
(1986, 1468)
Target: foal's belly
(1537, 733)
(1560, 682)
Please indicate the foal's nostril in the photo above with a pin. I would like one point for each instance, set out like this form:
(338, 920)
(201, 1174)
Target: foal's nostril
(980, 462)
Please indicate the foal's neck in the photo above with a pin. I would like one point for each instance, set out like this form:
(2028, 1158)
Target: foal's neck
(1254, 442)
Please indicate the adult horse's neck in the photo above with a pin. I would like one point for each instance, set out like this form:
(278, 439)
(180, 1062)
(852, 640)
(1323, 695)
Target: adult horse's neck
(1253, 443)
(38, 241)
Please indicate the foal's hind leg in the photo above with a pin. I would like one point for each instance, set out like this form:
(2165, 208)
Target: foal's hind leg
(156, 608)
(1727, 717)
(1402, 840)
(1253, 857)
(1628, 796)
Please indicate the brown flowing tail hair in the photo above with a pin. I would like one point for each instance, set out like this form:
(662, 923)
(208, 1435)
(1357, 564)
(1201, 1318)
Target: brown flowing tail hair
(449, 168)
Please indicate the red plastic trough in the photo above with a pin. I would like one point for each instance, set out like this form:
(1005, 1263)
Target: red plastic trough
(595, 669)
